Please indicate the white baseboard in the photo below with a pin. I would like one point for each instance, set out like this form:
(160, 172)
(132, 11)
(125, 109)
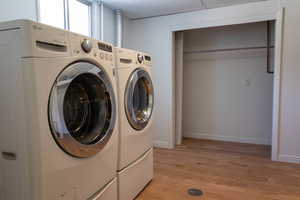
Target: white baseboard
(161, 144)
(227, 138)
(289, 158)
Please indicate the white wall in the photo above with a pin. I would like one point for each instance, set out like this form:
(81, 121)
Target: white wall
(18, 9)
(289, 141)
(152, 35)
(127, 22)
(109, 25)
(227, 95)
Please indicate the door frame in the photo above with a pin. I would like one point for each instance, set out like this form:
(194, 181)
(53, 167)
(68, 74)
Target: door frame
(278, 17)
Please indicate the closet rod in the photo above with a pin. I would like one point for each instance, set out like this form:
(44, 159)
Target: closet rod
(269, 46)
(229, 49)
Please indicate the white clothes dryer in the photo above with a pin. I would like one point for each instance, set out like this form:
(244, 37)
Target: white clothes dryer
(136, 101)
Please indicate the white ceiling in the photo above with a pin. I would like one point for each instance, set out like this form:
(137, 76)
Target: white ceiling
(149, 8)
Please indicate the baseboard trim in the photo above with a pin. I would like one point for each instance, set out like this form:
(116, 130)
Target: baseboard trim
(161, 144)
(289, 158)
(227, 138)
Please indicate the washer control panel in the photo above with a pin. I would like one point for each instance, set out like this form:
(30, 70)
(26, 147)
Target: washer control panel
(106, 51)
(105, 47)
(85, 46)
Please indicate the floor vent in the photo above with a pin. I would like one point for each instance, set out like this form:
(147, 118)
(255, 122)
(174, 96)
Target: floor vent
(195, 192)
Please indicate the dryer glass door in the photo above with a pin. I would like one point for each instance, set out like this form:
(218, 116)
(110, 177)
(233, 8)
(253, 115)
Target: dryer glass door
(139, 99)
(82, 110)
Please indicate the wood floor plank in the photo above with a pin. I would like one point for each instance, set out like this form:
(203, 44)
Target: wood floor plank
(223, 170)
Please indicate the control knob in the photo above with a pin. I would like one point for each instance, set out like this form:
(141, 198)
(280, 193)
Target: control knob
(87, 45)
(140, 58)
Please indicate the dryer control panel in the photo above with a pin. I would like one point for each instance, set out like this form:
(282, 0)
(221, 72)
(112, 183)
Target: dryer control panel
(148, 60)
(140, 58)
(127, 57)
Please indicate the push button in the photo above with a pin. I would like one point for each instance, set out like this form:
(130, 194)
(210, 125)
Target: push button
(101, 55)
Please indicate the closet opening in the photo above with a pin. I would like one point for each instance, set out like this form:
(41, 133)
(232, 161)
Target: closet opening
(224, 84)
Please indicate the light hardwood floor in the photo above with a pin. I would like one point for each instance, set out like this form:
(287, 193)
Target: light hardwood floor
(223, 170)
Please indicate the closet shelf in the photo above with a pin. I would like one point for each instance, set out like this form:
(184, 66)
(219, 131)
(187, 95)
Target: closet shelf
(228, 49)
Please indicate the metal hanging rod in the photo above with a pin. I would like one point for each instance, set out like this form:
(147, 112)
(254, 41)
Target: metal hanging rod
(228, 49)
(269, 46)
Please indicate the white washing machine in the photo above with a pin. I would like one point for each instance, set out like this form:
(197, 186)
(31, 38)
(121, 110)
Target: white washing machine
(136, 100)
(58, 119)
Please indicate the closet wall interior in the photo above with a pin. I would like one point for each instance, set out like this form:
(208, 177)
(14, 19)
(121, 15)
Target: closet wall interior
(227, 89)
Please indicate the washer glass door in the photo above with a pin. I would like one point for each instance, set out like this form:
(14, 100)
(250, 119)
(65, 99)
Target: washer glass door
(82, 109)
(139, 99)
